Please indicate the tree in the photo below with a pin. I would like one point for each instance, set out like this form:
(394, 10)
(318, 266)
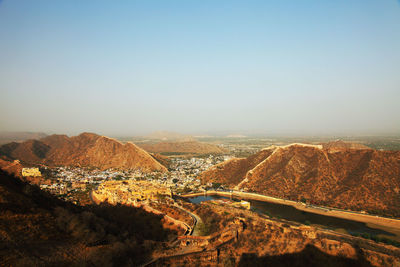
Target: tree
(186, 190)
(204, 228)
(216, 185)
(118, 178)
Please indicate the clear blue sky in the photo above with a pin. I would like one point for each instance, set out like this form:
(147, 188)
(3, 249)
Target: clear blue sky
(132, 67)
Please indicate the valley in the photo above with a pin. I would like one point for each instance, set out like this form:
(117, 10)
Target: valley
(215, 230)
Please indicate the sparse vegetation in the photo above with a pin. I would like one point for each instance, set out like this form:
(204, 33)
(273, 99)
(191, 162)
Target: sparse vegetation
(204, 228)
(98, 235)
(377, 238)
(119, 178)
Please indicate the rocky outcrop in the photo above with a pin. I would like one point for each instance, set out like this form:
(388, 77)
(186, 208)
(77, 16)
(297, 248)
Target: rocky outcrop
(13, 168)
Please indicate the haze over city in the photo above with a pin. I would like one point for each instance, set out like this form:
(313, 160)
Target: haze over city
(265, 67)
(200, 133)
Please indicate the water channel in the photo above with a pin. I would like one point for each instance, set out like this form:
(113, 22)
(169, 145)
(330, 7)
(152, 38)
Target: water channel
(292, 214)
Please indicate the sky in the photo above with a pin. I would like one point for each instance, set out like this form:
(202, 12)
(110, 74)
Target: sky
(133, 67)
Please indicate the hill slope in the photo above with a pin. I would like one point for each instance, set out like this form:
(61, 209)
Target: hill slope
(233, 171)
(192, 147)
(37, 229)
(86, 149)
(354, 178)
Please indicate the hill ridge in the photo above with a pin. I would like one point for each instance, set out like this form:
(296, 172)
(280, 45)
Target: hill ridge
(85, 149)
(352, 177)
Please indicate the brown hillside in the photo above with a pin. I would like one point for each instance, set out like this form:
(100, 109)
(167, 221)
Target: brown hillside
(37, 229)
(163, 160)
(13, 168)
(234, 170)
(86, 149)
(192, 147)
(358, 179)
(28, 151)
(341, 145)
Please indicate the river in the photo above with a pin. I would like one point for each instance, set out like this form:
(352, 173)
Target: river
(292, 214)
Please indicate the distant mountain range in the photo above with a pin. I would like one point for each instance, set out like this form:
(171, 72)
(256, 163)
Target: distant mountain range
(336, 174)
(236, 136)
(86, 149)
(184, 147)
(169, 136)
(7, 137)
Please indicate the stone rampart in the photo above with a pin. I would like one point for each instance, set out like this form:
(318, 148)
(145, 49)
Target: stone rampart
(325, 211)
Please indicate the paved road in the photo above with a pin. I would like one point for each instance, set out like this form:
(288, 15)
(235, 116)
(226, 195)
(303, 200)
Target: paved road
(196, 219)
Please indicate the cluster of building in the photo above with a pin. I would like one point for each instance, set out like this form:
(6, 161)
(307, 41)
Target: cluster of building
(31, 172)
(72, 183)
(129, 192)
(184, 171)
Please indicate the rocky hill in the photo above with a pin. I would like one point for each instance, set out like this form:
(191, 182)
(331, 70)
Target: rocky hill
(337, 175)
(37, 229)
(340, 145)
(163, 160)
(86, 149)
(233, 171)
(184, 147)
(11, 167)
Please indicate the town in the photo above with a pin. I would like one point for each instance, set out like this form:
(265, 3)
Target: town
(75, 183)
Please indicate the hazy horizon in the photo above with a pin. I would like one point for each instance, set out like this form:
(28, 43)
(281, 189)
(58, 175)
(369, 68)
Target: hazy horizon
(244, 67)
